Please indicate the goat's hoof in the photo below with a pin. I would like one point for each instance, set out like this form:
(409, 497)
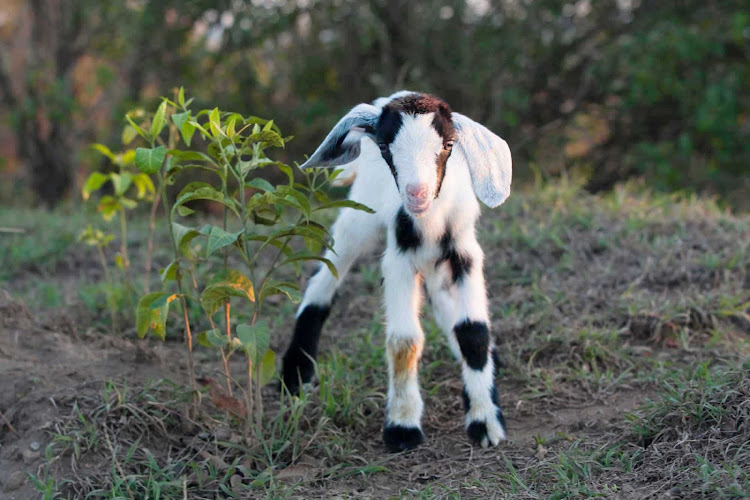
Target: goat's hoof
(399, 438)
(489, 432)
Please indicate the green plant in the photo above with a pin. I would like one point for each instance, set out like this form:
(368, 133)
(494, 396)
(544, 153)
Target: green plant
(269, 227)
(99, 239)
(128, 186)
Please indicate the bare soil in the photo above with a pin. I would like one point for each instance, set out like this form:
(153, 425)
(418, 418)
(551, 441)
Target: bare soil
(587, 316)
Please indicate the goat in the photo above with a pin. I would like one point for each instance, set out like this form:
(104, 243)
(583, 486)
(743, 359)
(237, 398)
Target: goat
(416, 170)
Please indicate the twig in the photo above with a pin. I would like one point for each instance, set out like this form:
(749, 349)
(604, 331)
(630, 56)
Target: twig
(7, 422)
(14, 230)
(150, 244)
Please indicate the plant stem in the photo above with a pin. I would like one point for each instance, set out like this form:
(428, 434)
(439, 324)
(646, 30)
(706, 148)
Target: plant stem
(108, 278)
(259, 398)
(150, 244)
(249, 398)
(183, 302)
(227, 324)
(224, 357)
(124, 245)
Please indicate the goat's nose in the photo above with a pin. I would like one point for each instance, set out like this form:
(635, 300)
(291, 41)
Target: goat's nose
(417, 191)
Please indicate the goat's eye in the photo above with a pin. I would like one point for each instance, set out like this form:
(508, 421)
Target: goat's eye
(383, 147)
(448, 145)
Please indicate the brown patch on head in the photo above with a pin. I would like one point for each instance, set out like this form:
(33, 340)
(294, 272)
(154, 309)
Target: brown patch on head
(404, 355)
(418, 104)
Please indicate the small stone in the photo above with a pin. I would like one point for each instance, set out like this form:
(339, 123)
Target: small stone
(203, 435)
(34, 446)
(223, 434)
(29, 456)
(15, 480)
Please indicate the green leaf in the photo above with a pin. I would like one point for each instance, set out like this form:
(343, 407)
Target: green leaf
(261, 121)
(187, 129)
(184, 235)
(205, 193)
(236, 285)
(121, 182)
(218, 238)
(304, 256)
(108, 206)
(345, 204)
(94, 182)
(291, 290)
(128, 134)
(191, 187)
(148, 160)
(185, 156)
(169, 273)
(138, 129)
(230, 126)
(214, 123)
(306, 231)
(103, 150)
(262, 184)
(128, 203)
(212, 338)
(277, 243)
(185, 211)
(151, 313)
(267, 367)
(159, 120)
(95, 237)
(255, 339)
(267, 137)
(181, 97)
(296, 197)
(144, 185)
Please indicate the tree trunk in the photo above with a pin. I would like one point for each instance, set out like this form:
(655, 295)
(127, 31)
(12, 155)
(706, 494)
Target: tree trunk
(50, 164)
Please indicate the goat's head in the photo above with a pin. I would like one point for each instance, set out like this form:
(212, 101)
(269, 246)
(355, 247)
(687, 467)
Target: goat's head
(416, 135)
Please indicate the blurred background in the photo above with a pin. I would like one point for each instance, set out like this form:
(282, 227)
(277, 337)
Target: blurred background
(605, 90)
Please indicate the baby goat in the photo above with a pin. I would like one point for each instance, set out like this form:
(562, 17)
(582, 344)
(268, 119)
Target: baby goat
(416, 170)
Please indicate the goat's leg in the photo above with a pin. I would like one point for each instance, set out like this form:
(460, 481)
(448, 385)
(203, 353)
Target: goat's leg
(404, 341)
(354, 233)
(443, 301)
(485, 422)
(442, 291)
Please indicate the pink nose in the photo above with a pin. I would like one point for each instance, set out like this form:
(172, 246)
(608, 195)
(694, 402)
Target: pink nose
(417, 191)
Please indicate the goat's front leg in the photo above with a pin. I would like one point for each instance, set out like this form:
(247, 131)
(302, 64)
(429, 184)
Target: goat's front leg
(354, 233)
(404, 342)
(485, 422)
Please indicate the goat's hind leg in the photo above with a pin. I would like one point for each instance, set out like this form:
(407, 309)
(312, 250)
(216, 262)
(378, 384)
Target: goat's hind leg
(354, 233)
(460, 305)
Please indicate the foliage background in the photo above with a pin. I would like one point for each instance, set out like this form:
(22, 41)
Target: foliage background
(603, 89)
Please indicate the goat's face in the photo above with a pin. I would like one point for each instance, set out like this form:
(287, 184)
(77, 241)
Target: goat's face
(415, 135)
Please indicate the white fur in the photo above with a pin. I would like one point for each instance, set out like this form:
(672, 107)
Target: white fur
(456, 208)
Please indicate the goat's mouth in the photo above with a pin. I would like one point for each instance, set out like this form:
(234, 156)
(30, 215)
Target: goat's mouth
(418, 209)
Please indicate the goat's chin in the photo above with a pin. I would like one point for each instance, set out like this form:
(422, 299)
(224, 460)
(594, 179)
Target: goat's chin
(418, 211)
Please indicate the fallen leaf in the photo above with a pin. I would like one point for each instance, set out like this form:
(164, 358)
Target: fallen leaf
(298, 472)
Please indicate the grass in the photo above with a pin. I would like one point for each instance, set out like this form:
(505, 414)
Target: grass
(598, 302)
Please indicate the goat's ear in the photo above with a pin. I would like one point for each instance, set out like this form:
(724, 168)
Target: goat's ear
(341, 146)
(488, 157)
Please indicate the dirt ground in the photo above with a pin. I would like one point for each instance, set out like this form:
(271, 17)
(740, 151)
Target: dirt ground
(597, 304)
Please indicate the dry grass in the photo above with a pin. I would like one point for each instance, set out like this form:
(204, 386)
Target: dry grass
(598, 303)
